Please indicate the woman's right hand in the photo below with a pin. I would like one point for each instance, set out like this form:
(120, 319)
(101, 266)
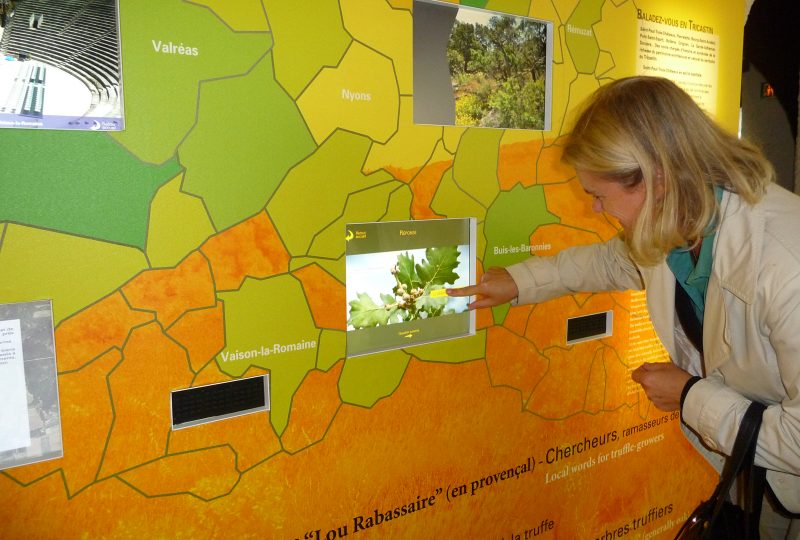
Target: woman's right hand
(495, 287)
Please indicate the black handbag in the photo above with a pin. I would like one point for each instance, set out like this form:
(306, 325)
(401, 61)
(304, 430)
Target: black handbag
(718, 518)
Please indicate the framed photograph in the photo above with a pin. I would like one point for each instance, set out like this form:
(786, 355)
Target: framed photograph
(480, 68)
(60, 65)
(396, 276)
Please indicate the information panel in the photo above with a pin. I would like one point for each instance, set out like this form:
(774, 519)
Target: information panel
(14, 412)
(30, 423)
(396, 278)
(683, 50)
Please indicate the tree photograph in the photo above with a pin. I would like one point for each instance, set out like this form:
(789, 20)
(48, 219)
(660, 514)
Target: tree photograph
(497, 68)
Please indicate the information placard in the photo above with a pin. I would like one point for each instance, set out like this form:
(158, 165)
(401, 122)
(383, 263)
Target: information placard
(396, 276)
(30, 421)
(681, 50)
(14, 431)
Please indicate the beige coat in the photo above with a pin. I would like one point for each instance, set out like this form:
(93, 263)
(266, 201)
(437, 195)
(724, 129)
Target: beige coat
(751, 333)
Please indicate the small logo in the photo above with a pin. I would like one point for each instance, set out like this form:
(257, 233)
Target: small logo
(358, 235)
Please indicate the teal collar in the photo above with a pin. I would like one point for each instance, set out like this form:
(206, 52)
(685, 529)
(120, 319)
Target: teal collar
(693, 276)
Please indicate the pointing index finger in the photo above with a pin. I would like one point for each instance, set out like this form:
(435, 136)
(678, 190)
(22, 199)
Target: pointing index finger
(469, 290)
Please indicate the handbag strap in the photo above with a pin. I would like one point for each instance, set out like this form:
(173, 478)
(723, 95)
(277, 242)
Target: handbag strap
(741, 460)
(690, 323)
(756, 484)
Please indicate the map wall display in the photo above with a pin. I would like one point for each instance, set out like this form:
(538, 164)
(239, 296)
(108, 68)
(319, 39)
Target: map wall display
(205, 243)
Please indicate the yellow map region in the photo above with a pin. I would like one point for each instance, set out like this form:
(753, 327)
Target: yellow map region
(242, 16)
(359, 95)
(36, 263)
(391, 37)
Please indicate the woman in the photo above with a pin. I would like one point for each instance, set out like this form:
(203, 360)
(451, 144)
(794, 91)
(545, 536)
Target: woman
(698, 207)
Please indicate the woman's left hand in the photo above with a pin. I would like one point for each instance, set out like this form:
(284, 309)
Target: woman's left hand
(663, 383)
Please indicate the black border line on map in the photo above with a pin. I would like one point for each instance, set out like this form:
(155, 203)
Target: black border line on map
(224, 23)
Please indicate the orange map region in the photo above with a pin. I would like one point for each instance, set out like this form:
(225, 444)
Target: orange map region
(484, 319)
(403, 174)
(517, 164)
(250, 437)
(313, 408)
(558, 237)
(202, 333)
(170, 292)
(252, 248)
(513, 361)
(424, 188)
(325, 295)
(89, 333)
(441, 434)
(549, 168)
(177, 474)
(517, 319)
(573, 206)
(87, 418)
(153, 366)
(563, 390)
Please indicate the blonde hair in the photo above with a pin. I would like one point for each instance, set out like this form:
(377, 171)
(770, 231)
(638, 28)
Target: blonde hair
(646, 129)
